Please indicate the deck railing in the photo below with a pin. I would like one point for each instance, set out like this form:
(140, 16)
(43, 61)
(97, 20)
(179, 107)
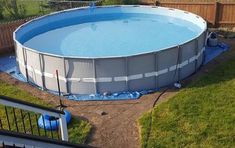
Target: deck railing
(22, 117)
(19, 126)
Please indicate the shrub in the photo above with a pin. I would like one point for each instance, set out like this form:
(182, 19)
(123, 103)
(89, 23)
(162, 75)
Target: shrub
(130, 2)
(120, 2)
(15, 11)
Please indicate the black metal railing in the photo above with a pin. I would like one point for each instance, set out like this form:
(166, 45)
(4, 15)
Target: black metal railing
(16, 119)
(12, 139)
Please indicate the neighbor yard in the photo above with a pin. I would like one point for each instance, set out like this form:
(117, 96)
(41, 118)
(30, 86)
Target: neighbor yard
(30, 8)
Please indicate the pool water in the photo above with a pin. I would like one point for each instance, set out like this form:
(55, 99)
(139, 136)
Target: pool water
(123, 35)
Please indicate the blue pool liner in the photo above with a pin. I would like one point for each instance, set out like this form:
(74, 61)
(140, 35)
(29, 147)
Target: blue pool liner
(8, 65)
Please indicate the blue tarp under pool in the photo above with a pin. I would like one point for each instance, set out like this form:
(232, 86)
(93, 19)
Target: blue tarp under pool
(8, 65)
(213, 52)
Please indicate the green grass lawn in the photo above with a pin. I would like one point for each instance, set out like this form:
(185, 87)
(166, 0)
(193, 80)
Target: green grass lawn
(41, 7)
(200, 115)
(78, 129)
(32, 7)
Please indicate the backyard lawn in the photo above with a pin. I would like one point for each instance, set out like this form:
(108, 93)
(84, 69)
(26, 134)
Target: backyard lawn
(32, 8)
(41, 7)
(78, 129)
(200, 115)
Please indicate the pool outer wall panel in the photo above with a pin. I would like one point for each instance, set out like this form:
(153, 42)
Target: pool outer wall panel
(187, 51)
(137, 66)
(166, 60)
(77, 73)
(51, 64)
(20, 60)
(34, 76)
(110, 68)
(83, 76)
(201, 44)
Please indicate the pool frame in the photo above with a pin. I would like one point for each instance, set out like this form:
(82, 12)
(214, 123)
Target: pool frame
(83, 75)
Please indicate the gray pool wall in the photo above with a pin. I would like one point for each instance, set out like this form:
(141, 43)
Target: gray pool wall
(83, 75)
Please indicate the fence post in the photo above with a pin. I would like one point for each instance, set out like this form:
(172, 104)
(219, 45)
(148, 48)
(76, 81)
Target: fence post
(216, 7)
(63, 128)
(157, 3)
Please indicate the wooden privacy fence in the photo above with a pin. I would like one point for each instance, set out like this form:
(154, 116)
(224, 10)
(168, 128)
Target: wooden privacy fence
(6, 35)
(217, 14)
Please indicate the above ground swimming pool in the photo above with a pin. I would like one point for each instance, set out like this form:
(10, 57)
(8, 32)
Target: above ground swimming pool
(110, 49)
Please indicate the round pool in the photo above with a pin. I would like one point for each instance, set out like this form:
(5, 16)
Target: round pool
(110, 49)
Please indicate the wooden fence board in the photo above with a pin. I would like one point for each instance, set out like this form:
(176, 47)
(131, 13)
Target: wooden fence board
(6, 34)
(216, 13)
